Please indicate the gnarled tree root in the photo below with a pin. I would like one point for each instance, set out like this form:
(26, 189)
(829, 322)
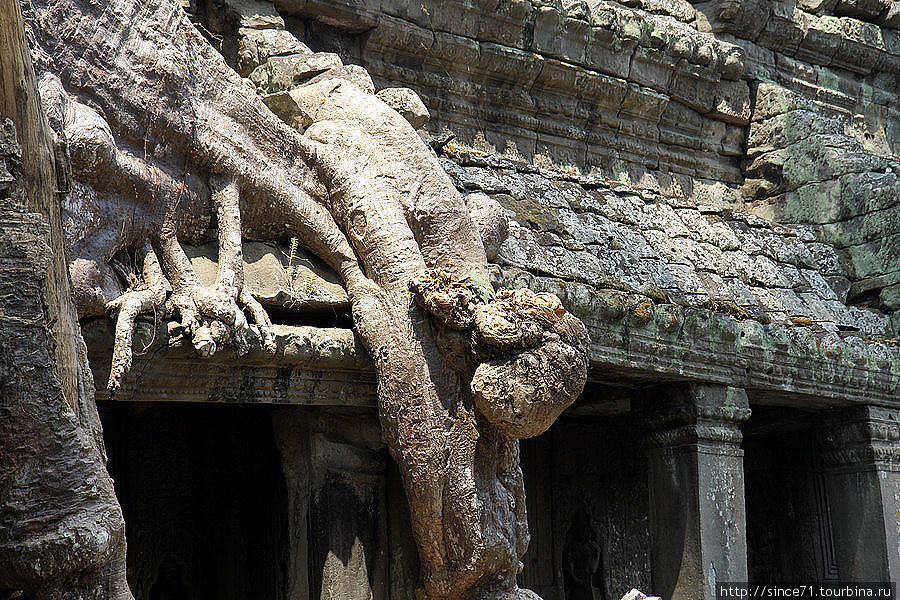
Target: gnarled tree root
(362, 191)
(148, 296)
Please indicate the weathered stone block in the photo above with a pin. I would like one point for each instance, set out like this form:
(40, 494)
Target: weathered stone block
(282, 73)
(890, 297)
(866, 10)
(732, 102)
(693, 90)
(253, 14)
(455, 49)
(277, 277)
(406, 102)
(651, 68)
(875, 258)
(292, 107)
(503, 24)
(256, 46)
(863, 228)
(609, 52)
(782, 31)
(558, 37)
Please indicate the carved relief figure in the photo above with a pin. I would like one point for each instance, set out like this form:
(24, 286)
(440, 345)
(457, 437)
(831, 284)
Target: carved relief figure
(581, 559)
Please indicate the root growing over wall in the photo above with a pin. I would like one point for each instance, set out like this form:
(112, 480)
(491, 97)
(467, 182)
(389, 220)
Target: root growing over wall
(159, 127)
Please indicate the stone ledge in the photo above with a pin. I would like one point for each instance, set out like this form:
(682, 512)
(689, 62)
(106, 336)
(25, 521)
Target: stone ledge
(798, 374)
(312, 366)
(776, 363)
(838, 41)
(665, 342)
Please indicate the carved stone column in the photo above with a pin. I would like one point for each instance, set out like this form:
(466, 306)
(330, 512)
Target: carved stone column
(696, 484)
(334, 469)
(861, 455)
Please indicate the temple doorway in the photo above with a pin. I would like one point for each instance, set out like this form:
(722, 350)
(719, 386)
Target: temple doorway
(204, 499)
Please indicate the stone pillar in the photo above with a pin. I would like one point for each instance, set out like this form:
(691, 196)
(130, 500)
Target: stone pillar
(861, 456)
(348, 547)
(290, 426)
(333, 462)
(696, 488)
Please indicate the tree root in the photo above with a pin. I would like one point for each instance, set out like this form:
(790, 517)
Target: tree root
(361, 191)
(213, 317)
(532, 351)
(147, 296)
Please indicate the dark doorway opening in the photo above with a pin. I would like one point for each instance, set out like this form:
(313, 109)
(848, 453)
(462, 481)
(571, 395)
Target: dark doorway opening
(789, 532)
(204, 499)
(588, 513)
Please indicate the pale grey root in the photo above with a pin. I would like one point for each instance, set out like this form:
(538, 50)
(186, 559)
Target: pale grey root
(159, 126)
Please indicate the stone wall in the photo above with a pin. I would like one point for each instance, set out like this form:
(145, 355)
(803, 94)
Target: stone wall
(786, 109)
(711, 187)
(632, 95)
(669, 287)
(650, 86)
(806, 167)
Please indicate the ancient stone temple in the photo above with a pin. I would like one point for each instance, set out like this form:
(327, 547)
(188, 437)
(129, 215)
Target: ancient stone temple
(446, 300)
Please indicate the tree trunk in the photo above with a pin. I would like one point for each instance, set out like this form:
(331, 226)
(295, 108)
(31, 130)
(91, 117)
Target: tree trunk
(61, 528)
(154, 119)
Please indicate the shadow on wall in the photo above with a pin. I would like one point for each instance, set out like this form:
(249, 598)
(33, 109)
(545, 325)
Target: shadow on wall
(345, 537)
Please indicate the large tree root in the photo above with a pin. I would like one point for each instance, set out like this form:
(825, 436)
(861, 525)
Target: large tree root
(212, 318)
(409, 225)
(461, 374)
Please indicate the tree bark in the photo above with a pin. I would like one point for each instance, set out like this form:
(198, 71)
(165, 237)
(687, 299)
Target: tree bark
(61, 528)
(144, 102)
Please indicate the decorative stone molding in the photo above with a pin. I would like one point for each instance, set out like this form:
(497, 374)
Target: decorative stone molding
(312, 366)
(695, 413)
(800, 366)
(862, 437)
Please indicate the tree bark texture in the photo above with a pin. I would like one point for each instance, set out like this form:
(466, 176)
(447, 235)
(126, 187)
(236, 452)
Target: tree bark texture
(61, 528)
(162, 133)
